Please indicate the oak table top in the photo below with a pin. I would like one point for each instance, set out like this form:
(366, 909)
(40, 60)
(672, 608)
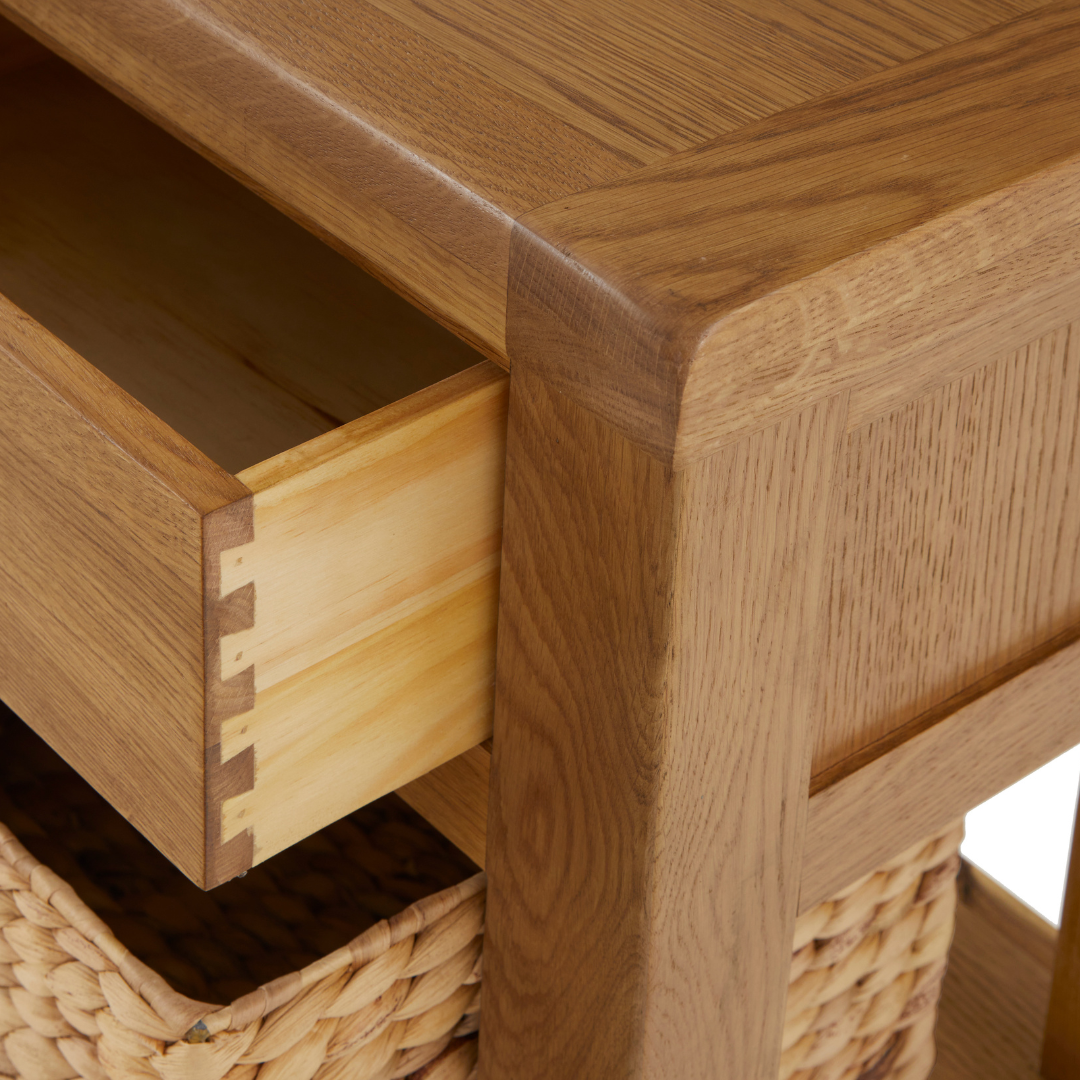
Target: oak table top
(715, 242)
(678, 191)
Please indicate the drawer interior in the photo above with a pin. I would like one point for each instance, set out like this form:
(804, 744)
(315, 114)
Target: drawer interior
(261, 591)
(237, 327)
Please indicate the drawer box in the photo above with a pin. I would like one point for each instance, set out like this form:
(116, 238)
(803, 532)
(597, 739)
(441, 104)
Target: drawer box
(251, 499)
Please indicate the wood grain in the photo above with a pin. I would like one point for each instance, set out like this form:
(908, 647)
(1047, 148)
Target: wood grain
(374, 563)
(426, 202)
(414, 134)
(1061, 1042)
(670, 303)
(656, 78)
(454, 798)
(232, 324)
(650, 769)
(370, 551)
(993, 1001)
(864, 819)
(398, 703)
(101, 538)
(957, 542)
(403, 508)
(861, 818)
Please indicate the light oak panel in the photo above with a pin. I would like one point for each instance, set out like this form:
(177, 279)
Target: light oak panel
(671, 303)
(653, 78)
(993, 1000)
(371, 523)
(317, 110)
(454, 798)
(355, 590)
(374, 562)
(649, 779)
(864, 819)
(861, 819)
(957, 545)
(357, 725)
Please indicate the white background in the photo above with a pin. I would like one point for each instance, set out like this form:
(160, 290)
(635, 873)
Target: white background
(1022, 836)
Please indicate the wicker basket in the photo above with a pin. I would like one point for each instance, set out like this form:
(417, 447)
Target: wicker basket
(403, 998)
(867, 968)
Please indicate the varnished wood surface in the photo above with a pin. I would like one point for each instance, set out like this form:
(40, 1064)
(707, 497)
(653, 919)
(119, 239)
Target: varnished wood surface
(994, 998)
(454, 798)
(405, 507)
(957, 547)
(232, 324)
(861, 819)
(248, 336)
(374, 563)
(240, 331)
(864, 819)
(956, 558)
(101, 628)
(697, 300)
(655, 691)
(414, 134)
(1061, 1043)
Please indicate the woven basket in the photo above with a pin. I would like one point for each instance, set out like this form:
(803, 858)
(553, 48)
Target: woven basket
(403, 998)
(867, 969)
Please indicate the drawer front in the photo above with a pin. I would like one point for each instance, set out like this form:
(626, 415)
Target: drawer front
(236, 666)
(101, 582)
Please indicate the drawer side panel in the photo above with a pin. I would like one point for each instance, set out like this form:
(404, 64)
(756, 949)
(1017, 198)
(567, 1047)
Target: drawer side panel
(374, 565)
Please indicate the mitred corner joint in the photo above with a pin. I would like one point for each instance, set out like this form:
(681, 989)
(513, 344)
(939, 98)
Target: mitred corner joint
(223, 529)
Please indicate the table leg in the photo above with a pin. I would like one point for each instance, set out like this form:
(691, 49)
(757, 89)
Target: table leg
(658, 646)
(1061, 1045)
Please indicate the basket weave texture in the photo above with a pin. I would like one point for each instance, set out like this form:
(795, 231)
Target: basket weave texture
(867, 969)
(87, 974)
(400, 1000)
(397, 1000)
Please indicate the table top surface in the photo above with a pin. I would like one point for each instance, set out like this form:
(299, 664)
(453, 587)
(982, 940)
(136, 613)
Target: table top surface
(671, 161)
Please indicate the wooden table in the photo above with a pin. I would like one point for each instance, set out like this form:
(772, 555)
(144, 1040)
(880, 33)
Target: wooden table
(790, 298)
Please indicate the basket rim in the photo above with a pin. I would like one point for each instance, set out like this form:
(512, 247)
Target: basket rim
(181, 1014)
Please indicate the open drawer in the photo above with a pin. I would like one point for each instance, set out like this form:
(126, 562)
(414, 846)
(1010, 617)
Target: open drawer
(250, 500)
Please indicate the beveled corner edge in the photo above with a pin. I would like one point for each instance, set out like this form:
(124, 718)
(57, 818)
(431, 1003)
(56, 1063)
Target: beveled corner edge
(668, 303)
